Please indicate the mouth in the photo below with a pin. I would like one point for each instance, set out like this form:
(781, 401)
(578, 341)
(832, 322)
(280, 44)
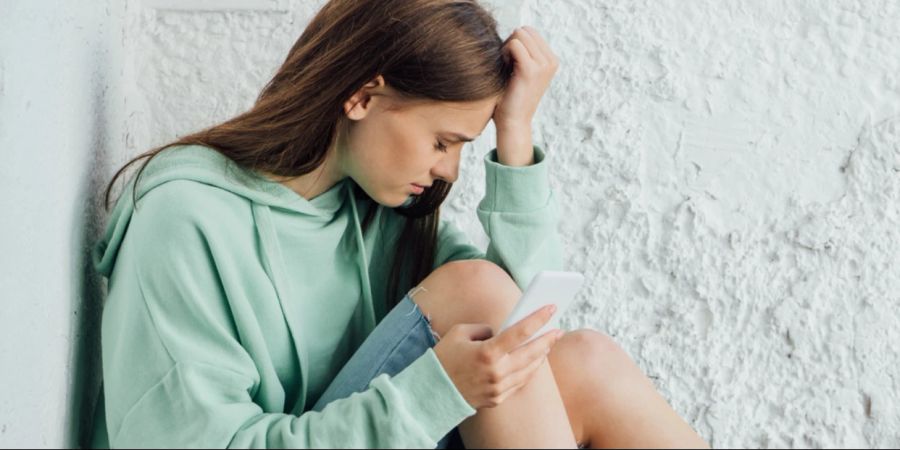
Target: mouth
(417, 190)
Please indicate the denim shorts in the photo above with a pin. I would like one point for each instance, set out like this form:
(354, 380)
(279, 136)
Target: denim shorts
(399, 339)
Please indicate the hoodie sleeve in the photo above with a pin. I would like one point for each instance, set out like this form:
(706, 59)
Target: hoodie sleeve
(519, 214)
(176, 374)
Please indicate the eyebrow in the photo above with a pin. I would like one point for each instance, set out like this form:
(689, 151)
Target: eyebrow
(460, 137)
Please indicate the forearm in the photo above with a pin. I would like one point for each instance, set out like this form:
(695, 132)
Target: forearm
(514, 145)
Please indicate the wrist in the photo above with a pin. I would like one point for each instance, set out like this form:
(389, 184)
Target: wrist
(513, 126)
(514, 145)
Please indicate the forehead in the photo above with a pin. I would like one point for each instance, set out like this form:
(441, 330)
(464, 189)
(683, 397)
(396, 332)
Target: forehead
(468, 118)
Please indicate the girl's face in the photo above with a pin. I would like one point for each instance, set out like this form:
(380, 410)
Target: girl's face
(387, 149)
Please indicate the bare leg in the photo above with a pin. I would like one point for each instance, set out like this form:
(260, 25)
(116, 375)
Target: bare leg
(610, 402)
(591, 391)
(532, 417)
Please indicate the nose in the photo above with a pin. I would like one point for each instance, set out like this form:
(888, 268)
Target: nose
(447, 169)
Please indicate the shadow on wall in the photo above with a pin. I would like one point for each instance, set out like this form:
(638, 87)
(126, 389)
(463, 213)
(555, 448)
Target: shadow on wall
(85, 352)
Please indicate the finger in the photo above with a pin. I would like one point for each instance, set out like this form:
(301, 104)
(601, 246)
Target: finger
(517, 35)
(531, 44)
(519, 332)
(536, 349)
(519, 52)
(542, 44)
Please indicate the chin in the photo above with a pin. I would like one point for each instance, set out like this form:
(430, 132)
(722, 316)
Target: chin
(408, 200)
(394, 202)
(390, 199)
(397, 202)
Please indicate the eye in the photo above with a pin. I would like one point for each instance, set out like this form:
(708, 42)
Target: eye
(440, 146)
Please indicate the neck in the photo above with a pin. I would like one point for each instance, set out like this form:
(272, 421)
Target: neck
(313, 184)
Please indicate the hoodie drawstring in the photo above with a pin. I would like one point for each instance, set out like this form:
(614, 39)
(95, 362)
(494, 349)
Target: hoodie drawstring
(273, 264)
(362, 258)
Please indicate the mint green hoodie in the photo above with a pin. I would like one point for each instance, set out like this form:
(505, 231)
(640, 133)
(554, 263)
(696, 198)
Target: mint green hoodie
(233, 302)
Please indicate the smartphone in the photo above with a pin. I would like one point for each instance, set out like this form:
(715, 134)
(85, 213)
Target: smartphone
(548, 286)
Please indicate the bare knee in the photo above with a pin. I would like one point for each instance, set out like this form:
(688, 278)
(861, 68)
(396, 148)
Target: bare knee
(467, 291)
(595, 353)
(592, 341)
(475, 274)
(603, 387)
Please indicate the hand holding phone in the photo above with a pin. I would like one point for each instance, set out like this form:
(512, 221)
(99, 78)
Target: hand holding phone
(547, 287)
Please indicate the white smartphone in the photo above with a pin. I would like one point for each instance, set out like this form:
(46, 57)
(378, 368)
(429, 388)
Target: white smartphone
(548, 286)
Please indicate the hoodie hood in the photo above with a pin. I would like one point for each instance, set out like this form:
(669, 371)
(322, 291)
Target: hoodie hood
(206, 165)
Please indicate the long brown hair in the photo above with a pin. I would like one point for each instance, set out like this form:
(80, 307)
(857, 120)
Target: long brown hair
(444, 50)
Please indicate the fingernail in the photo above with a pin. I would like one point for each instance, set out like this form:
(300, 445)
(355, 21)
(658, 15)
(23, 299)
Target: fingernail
(552, 309)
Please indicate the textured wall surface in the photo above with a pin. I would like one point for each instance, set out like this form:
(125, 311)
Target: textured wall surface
(728, 174)
(730, 171)
(59, 114)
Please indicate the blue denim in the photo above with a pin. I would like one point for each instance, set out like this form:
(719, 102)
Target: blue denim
(399, 339)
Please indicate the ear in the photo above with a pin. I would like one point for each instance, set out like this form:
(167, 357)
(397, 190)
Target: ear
(360, 103)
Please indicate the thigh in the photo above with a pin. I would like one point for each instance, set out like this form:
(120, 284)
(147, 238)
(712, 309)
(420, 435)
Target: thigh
(611, 403)
(466, 291)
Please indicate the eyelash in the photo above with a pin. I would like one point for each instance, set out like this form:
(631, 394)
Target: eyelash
(440, 146)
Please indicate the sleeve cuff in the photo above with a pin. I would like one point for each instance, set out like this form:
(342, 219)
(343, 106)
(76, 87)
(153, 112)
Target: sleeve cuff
(516, 189)
(430, 394)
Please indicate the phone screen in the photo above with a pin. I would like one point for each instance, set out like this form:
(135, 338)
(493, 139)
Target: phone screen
(547, 287)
